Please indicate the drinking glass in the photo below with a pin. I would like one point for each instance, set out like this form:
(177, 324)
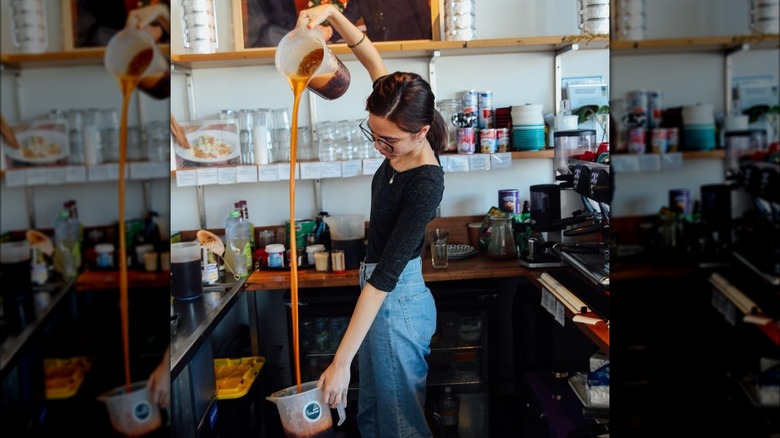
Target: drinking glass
(439, 251)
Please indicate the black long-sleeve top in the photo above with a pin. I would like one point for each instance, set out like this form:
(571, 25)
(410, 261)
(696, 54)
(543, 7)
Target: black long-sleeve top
(399, 214)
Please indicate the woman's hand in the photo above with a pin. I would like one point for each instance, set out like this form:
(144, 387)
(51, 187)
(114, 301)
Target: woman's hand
(145, 16)
(335, 383)
(316, 16)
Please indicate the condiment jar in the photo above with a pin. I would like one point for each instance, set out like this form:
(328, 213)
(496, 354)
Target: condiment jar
(502, 241)
(275, 253)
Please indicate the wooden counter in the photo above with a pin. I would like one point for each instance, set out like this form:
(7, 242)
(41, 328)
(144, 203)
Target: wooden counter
(105, 280)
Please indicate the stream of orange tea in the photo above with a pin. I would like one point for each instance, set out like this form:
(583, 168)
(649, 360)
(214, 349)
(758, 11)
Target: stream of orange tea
(307, 67)
(127, 83)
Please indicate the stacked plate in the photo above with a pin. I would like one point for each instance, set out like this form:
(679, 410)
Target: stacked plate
(527, 127)
(698, 127)
(594, 16)
(765, 17)
(460, 21)
(629, 22)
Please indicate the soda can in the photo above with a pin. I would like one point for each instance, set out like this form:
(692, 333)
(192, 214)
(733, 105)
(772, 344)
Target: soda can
(486, 118)
(680, 201)
(485, 99)
(470, 98)
(509, 200)
(654, 109)
(659, 141)
(502, 139)
(466, 140)
(488, 141)
(673, 139)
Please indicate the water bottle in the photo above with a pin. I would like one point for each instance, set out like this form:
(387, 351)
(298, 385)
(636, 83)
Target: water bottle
(67, 250)
(449, 407)
(238, 255)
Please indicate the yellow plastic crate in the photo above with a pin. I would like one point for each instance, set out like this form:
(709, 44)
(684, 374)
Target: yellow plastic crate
(235, 376)
(64, 376)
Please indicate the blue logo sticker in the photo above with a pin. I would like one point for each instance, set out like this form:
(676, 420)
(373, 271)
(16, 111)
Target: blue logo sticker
(142, 411)
(312, 411)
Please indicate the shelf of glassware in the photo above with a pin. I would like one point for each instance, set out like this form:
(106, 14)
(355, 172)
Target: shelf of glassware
(75, 174)
(403, 49)
(694, 44)
(340, 169)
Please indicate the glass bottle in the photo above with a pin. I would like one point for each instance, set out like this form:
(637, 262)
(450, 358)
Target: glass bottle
(502, 241)
(449, 407)
(449, 108)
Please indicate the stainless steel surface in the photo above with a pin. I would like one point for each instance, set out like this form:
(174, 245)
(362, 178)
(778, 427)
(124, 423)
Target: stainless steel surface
(592, 266)
(13, 343)
(198, 318)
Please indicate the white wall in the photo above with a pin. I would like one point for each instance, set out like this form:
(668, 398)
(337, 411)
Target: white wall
(684, 79)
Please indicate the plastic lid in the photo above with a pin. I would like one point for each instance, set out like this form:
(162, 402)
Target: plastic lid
(575, 133)
(235, 213)
(315, 248)
(274, 247)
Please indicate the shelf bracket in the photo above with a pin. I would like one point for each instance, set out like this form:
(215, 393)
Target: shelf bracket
(432, 70)
(201, 195)
(558, 75)
(30, 194)
(318, 195)
(728, 64)
(177, 69)
(18, 91)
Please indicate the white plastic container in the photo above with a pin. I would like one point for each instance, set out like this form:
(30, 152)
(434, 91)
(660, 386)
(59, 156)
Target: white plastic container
(275, 253)
(104, 255)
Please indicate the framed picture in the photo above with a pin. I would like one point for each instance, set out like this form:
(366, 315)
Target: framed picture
(92, 23)
(263, 23)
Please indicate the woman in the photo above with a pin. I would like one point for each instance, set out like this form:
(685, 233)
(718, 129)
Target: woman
(395, 315)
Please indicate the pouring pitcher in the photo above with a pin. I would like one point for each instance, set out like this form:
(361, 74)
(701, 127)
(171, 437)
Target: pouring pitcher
(302, 54)
(132, 56)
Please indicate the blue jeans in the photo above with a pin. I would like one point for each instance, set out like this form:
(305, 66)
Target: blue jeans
(393, 370)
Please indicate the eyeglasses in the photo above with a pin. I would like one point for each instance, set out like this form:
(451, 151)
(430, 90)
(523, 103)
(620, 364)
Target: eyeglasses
(374, 139)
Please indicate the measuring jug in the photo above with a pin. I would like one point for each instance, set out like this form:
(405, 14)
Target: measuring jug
(304, 414)
(132, 411)
(133, 54)
(303, 52)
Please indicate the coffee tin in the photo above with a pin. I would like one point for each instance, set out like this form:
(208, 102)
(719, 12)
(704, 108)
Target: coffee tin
(502, 139)
(470, 98)
(680, 201)
(509, 200)
(466, 140)
(486, 118)
(488, 141)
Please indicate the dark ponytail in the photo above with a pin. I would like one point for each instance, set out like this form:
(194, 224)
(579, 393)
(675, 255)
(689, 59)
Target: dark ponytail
(406, 99)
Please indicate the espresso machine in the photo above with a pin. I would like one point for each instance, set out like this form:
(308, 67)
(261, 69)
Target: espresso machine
(572, 219)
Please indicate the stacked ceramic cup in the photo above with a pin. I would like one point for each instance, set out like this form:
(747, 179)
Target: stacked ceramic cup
(460, 20)
(629, 20)
(28, 19)
(594, 17)
(200, 26)
(765, 16)
(698, 127)
(527, 127)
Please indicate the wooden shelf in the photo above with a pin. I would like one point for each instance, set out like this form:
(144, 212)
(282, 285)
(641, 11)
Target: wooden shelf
(71, 58)
(705, 155)
(401, 49)
(694, 44)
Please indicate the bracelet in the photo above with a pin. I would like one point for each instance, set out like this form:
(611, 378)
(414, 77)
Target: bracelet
(352, 46)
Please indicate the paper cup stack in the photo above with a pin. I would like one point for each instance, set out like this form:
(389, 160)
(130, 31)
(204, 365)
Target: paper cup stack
(765, 17)
(698, 127)
(29, 31)
(594, 17)
(527, 127)
(460, 20)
